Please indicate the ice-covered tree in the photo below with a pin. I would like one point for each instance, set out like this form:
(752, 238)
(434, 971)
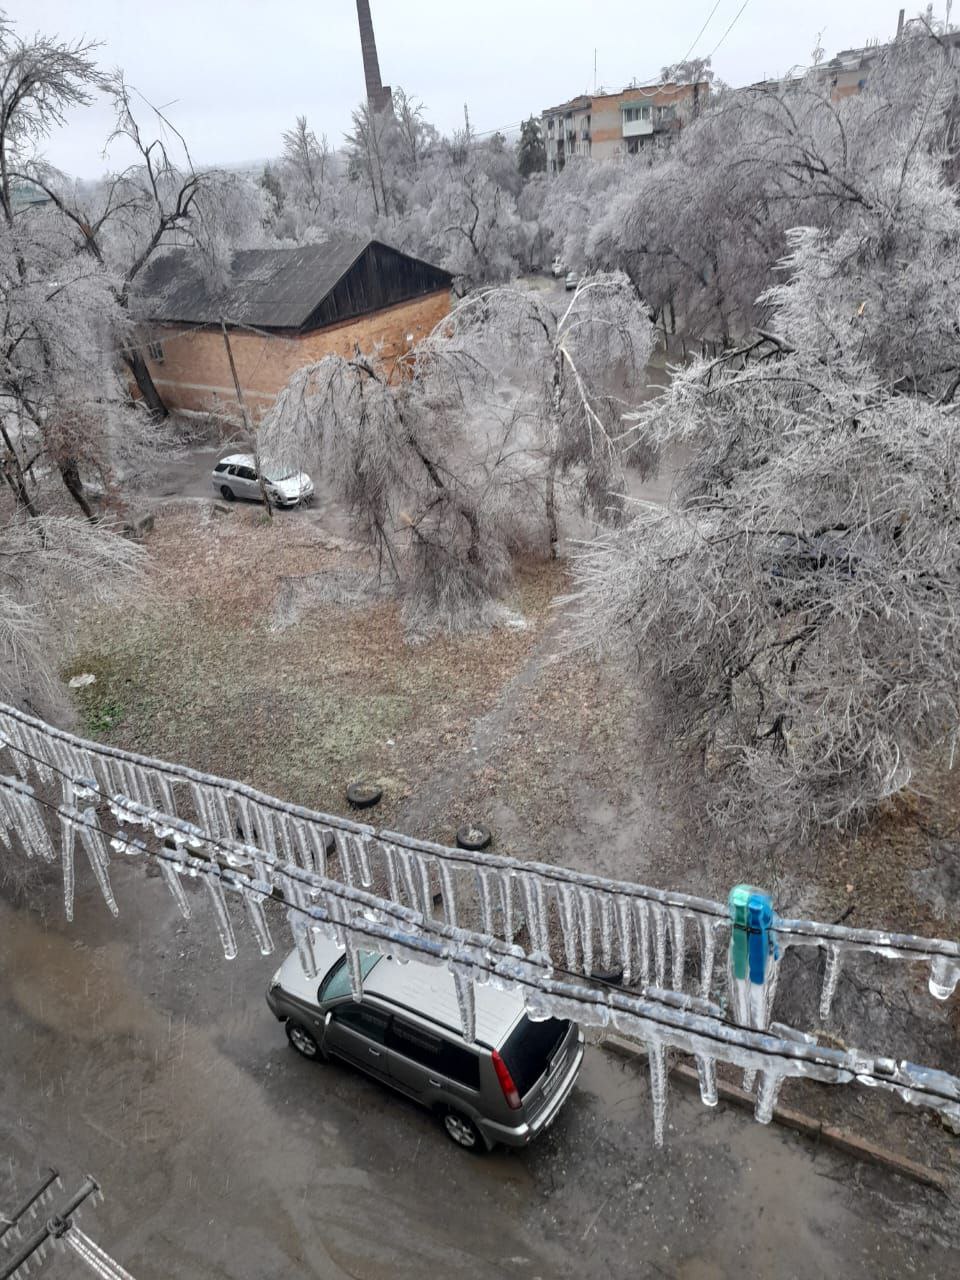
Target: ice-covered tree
(463, 453)
(796, 607)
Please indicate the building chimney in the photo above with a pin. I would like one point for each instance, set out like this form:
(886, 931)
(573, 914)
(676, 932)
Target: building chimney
(379, 96)
(900, 24)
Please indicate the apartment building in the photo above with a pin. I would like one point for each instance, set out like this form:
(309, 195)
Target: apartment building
(607, 124)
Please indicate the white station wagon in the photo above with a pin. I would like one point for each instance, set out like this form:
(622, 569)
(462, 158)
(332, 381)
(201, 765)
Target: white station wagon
(236, 477)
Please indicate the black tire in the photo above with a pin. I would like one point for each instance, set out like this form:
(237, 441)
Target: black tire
(302, 1040)
(227, 493)
(461, 1130)
(611, 977)
(473, 836)
(364, 795)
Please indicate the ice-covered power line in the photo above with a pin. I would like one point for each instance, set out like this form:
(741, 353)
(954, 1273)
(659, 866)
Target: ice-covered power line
(464, 910)
(736, 19)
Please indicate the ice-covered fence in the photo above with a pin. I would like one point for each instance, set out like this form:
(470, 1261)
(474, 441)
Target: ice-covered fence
(582, 922)
(402, 895)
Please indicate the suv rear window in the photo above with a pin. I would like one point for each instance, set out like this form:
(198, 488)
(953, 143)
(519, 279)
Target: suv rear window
(530, 1047)
(454, 1061)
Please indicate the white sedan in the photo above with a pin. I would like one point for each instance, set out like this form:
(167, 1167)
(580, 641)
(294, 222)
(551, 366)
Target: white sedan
(236, 477)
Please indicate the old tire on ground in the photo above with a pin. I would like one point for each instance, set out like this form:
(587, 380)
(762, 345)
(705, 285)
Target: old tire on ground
(473, 836)
(364, 795)
(227, 493)
(460, 1129)
(301, 1040)
(612, 977)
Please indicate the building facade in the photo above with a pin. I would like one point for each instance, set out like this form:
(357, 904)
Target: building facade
(281, 310)
(608, 124)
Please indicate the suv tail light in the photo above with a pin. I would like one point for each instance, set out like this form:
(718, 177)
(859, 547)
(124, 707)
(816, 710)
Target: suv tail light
(506, 1081)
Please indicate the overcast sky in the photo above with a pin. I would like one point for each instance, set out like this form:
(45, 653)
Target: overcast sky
(237, 74)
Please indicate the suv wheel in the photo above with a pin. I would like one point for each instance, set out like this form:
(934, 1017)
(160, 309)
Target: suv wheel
(461, 1130)
(227, 493)
(302, 1040)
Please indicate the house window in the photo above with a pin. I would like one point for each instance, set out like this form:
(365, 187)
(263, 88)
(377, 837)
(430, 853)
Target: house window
(666, 113)
(155, 352)
(636, 113)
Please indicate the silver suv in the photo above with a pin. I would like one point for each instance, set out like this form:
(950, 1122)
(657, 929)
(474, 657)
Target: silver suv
(236, 477)
(404, 1031)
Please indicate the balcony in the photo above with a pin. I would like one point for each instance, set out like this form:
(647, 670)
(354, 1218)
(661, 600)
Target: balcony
(637, 128)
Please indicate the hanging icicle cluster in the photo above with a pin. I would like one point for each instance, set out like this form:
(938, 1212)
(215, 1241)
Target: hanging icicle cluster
(487, 918)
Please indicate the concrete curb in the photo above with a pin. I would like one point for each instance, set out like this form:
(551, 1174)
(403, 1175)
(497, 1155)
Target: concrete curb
(840, 1139)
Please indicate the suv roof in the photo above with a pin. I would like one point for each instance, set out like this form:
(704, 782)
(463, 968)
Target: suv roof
(428, 991)
(238, 460)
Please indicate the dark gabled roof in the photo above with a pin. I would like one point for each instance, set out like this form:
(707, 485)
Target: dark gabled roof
(287, 289)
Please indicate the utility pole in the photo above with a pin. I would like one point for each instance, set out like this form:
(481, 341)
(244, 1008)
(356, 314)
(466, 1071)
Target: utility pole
(59, 1229)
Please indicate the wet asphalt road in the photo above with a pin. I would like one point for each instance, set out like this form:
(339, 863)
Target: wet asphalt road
(132, 1050)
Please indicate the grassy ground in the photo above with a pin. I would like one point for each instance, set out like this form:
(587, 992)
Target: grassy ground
(198, 675)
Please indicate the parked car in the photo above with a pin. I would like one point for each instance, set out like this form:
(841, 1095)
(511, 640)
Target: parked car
(571, 281)
(557, 268)
(236, 477)
(507, 1087)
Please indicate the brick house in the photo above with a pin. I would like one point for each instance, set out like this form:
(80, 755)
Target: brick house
(282, 309)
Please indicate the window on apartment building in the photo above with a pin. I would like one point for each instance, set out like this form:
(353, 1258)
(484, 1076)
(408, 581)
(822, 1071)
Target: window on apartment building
(155, 352)
(636, 113)
(666, 113)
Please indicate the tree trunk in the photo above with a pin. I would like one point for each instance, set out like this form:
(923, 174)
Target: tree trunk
(70, 474)
(141, 375)
(13, 474)
(550, 499)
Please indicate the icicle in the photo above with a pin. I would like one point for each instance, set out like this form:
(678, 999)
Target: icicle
(770, 1082)
(302, 935)
(944, 976)
(302, 844)
(642, 916)
(67, 840)
(282, 838)
(32, 830)
(258, 919)
(505, 885)
(543, 923)
(244, 821)
(203, 810)
(96, 852)
(322, 838)
(449, 893)
(424, 891)
(657, 1060)
(173, 882)
(221, 915)
(393, 876)
(354, 966)
(467, 1000)
(708, 951)
(410, 886)
(678, 946)
(749, 1079)
(606, 930)
(486, 902)
(831, 977)
(345, 856)
(659, 942)
(624, 916)
(585, 903)
(568, 923)
(219, 800)
(707, 1075)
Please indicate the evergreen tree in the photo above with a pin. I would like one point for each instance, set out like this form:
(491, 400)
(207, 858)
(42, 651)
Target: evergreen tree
(531, 153)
